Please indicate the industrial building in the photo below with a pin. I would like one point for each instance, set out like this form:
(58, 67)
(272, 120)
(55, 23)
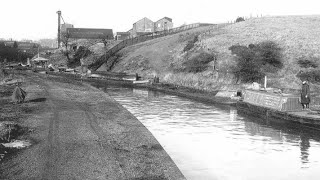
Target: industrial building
(64, 27)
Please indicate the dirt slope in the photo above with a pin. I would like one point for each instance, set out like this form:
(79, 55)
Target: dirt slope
(157, 55)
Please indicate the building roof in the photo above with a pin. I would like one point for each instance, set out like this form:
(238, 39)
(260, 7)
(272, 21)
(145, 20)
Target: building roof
(123, 33)
(40, 59)
(89, 33)
(65, 26)
(169, 19)
(143, 19)
(37, 58)
(26, 45)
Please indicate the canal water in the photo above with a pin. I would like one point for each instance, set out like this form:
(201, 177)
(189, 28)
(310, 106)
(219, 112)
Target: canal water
(211, 142)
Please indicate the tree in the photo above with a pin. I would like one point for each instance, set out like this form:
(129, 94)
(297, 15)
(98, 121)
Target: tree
(65, 41)
(105, 42)
(248, 67)
(198, 62)
(239, 19)
(15, 45)
(2, 45)
(270, 55)
(254, 61)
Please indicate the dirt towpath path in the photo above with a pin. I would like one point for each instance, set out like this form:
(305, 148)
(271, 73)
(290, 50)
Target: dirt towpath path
(82, 133)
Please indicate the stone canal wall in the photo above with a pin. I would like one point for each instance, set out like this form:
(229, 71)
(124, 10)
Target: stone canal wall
(283, 107)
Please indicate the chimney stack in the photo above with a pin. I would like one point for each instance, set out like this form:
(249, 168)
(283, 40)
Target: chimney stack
(59, 17)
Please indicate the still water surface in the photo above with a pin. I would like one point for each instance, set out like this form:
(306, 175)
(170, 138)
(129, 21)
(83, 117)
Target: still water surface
(210, 142)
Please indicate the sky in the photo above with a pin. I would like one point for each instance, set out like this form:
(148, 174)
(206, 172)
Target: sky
(37, 19)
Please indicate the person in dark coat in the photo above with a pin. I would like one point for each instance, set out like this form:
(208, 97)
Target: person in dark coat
(305, 95)
(18, 94)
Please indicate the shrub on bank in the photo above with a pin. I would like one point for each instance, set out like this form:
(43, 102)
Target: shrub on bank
(313, 76)
(198, 63)
(81, 52)
(190, 44)
(308, 62)
(269, 54)
(239, 19)
(255, 60)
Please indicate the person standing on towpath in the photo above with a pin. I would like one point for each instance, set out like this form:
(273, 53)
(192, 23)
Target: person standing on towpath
(305, 95)
(18, 94)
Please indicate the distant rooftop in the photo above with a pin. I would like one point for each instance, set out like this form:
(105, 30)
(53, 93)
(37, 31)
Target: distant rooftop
(169, 19)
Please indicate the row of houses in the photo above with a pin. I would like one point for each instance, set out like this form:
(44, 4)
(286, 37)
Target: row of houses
(23, 46)
(144, 26)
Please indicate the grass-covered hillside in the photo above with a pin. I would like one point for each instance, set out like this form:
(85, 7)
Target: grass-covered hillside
(202, 58)
(297, 36)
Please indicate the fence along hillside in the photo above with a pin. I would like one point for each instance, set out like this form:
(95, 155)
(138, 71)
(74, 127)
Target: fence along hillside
(146, 37)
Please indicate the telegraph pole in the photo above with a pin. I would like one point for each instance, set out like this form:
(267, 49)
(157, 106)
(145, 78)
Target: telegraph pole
(59, 17)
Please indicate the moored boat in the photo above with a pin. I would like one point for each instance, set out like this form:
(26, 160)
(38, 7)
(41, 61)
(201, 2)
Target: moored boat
(278, 107)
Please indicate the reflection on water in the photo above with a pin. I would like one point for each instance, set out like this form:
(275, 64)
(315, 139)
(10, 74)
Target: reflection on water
(304, 148)
(211, 142)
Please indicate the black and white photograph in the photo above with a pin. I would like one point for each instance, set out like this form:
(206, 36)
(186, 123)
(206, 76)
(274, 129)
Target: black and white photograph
(159, 90)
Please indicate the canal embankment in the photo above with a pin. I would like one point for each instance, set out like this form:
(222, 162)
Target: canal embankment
(222, 97)
(79, 132)
(310, 118)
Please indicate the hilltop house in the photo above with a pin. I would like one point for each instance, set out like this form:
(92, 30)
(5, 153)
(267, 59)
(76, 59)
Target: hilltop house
(142, 26)
(145, 25)
(163, 24)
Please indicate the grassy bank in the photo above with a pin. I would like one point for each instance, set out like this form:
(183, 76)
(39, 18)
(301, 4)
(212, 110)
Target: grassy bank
(297, 36)
(13, 127)
(201, 58)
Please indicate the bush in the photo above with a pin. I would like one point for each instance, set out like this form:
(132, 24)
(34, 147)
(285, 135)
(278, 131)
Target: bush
(248, 66)
(305, 62)
(239, 19)
(270, 54)
(190, 44)
(256, 60)
(81, 52)
(312, 76)
(198, 63)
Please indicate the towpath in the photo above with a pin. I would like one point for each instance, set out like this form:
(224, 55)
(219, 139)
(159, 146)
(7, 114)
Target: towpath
(82, 133)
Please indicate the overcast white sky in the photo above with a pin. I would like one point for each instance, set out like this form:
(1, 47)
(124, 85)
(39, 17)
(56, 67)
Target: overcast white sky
(37, 19)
